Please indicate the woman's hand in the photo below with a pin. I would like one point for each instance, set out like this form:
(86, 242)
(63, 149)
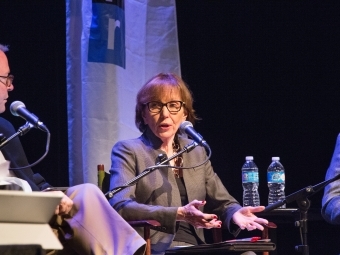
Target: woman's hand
(245, 218)
(64, 206)
(192, 215)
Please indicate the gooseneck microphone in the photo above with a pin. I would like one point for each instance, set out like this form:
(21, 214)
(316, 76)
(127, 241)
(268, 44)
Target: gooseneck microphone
(187, 128)
(19, 109)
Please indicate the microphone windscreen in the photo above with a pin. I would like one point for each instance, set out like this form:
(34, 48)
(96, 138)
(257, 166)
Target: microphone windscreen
(183, 126)
(15, 106)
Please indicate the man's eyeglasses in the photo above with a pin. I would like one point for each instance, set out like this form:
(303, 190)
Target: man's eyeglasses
(172, 106)
(9, 80)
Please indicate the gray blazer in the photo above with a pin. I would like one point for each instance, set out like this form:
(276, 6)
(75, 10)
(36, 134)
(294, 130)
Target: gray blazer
(331, 198)
(156, 196)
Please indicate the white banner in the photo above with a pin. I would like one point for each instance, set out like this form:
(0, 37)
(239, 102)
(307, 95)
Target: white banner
(113, 48)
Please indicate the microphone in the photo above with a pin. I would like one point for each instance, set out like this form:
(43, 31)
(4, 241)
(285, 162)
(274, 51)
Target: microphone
(19, 109)
(187, 128)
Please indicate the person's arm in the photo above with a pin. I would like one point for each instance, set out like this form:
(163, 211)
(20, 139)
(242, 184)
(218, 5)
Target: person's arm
(219, 201)
(140, 203)
(234, 217)
(331, 198)
(191, 214)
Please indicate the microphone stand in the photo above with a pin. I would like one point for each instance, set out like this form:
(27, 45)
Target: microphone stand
(21, 131)
(163, 161)
(301, 197)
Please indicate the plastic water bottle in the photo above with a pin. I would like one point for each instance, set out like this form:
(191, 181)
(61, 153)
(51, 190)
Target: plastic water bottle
(276, 181)
(250, 183)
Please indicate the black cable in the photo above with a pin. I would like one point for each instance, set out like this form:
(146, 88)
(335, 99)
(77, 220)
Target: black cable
(42, 157)
(147, 171)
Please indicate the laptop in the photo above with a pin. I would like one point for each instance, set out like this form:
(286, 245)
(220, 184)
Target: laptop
(28, 207)
(24, 218)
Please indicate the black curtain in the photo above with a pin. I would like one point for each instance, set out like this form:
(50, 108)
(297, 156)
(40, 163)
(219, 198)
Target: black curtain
(265, 76)
(35, 33)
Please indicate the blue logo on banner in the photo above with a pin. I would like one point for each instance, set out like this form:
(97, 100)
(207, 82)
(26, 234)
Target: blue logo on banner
(107, 35)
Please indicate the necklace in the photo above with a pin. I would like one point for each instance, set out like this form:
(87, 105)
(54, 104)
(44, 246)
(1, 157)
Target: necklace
(178, 161)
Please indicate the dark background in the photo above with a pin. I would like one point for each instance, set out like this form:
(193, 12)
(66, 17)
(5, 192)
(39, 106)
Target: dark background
(35, 31)
(265, 77)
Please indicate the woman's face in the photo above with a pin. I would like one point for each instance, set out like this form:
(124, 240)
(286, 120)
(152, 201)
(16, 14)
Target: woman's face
(165, 124)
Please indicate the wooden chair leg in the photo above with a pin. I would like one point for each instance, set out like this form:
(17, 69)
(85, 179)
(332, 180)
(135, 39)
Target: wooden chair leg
(147, 240)
(265, 233)
(146, 224)
(265, 236)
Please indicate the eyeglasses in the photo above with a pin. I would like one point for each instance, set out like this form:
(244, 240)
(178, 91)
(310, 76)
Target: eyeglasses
(172, 106)
(9, 80)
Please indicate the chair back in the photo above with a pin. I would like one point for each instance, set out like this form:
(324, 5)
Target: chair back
(106, 183)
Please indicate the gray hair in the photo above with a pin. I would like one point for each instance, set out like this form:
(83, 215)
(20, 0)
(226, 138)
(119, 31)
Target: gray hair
(3, 48)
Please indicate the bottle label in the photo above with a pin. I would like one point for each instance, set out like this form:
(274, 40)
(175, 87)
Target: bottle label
(277, 177)
(252, 176)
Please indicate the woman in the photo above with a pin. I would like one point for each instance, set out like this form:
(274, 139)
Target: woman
(178, 198)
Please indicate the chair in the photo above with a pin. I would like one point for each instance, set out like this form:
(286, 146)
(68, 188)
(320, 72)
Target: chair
(104, 183)
(146, 224)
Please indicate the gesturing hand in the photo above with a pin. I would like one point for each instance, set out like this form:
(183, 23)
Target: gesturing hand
(191, 214)
(245, 218)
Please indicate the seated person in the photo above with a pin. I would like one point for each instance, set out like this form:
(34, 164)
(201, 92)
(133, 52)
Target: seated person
(186, 200)
(84, 220)
(331, 198)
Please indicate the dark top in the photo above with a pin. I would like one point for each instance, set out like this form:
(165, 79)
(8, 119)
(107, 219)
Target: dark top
(185, 232)
(14, 152)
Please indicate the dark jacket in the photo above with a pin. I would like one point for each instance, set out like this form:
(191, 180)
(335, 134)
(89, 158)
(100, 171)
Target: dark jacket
(14, 152)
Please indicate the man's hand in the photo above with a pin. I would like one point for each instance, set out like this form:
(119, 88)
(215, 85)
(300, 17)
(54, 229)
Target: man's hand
(65, 205)
(191, 214)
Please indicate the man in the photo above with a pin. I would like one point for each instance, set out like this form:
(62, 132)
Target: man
(84, 221)
(331, 198)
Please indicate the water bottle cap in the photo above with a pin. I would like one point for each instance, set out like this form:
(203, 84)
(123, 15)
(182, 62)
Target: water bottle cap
(275, 158)
(249, 158)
